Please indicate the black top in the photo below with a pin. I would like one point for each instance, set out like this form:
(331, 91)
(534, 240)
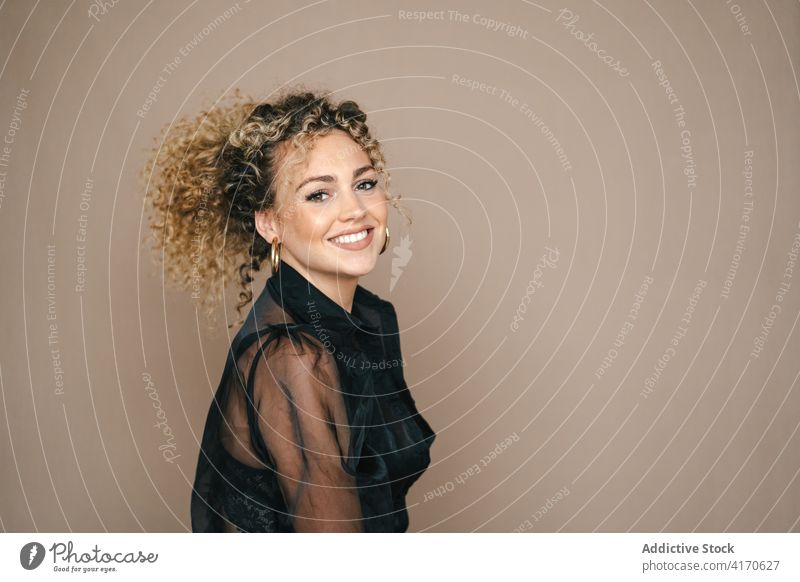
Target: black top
(312, 427)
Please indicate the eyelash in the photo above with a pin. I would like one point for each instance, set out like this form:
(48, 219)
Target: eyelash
(311, 197)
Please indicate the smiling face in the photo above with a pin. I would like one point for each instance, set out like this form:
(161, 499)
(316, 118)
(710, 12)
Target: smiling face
(334, 192)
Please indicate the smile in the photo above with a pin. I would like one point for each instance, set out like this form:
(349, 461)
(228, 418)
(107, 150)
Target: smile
(355, 241)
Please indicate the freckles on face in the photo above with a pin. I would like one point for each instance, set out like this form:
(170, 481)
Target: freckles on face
(337, 188)
(310, 225)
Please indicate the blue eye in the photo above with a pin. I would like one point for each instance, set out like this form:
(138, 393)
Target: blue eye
(315, 196)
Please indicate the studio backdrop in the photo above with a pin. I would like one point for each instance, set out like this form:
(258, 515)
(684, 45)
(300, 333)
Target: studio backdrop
(598, 293)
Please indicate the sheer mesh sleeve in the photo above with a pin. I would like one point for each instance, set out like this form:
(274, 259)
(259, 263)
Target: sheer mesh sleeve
(301, 417)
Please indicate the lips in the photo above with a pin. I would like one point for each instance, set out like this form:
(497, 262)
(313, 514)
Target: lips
(352, 235)
(354, 241)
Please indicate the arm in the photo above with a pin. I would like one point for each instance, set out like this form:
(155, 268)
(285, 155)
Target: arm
(303, 422)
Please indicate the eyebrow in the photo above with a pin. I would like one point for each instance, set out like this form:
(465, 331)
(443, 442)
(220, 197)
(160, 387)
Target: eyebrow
(356, 174)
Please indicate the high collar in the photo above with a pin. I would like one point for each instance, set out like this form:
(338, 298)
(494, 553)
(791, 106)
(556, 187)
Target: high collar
(308, 304)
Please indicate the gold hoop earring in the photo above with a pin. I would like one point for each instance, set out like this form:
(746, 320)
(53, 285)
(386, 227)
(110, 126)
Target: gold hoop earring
(385, 241)
(275, 255)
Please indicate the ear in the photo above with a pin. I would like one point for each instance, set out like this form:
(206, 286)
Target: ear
(267, 225)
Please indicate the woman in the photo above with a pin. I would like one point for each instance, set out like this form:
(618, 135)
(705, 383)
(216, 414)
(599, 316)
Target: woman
(312, 427)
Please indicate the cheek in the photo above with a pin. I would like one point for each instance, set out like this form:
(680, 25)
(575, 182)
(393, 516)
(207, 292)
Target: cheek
(380, 210)
(313, 226)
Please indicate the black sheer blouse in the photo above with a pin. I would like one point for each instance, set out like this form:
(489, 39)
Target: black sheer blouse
(312, 427)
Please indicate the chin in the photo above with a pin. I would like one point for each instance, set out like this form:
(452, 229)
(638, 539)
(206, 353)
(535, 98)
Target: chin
(352, 266)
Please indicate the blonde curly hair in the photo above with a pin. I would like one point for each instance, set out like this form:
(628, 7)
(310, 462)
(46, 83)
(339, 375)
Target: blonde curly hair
(211, 173)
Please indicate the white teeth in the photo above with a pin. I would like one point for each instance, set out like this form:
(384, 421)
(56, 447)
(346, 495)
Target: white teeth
(351, 238)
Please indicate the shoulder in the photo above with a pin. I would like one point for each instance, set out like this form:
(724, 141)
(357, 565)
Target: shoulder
(293, 350)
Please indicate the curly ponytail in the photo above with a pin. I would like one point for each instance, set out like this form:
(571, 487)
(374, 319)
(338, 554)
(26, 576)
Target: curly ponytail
(214, 171)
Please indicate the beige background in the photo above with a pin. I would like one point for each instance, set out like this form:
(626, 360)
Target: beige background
(714, 447)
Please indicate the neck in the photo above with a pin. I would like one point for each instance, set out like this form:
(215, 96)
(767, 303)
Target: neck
(339, 288)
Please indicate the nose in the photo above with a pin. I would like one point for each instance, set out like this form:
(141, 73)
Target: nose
(352, 206)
